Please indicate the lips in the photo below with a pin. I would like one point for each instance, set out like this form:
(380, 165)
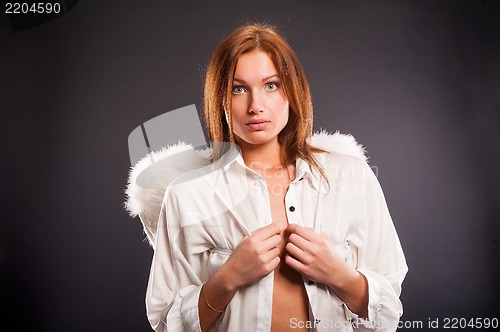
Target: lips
(258, 124)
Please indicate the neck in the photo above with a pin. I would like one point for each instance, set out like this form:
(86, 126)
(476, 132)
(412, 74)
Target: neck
(261, 155)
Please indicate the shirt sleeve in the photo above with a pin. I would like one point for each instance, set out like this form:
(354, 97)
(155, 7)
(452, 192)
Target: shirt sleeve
(174, 286)
(380, 260)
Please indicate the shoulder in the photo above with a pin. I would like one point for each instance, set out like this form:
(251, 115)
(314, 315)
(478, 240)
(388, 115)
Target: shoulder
(338, 144)
(344, 159)
(192, 181)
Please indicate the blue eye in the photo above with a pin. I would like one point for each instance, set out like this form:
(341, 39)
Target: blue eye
(271, 86)
(237, 90)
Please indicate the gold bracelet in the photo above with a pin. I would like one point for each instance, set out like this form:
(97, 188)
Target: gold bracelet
(206, 301)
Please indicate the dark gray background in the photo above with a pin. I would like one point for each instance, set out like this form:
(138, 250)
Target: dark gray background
(416, 82)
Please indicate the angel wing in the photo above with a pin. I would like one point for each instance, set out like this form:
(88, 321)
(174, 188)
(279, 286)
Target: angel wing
(174, 160)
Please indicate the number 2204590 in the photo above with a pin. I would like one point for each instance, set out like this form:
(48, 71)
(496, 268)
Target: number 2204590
(462, 323)
(32, 8)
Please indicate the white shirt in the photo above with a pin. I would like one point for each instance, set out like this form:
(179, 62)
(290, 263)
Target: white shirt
(207, 212)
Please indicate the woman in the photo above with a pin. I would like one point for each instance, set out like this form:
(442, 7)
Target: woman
(280, 230)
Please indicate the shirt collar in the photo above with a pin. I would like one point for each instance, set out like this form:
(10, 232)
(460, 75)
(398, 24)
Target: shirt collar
(312, 175)
(233, 155)
(302, 169)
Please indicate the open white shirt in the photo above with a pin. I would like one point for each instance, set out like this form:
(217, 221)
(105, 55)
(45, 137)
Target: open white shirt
(207, 212)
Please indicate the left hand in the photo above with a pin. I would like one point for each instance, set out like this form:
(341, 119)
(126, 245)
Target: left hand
(313, 255)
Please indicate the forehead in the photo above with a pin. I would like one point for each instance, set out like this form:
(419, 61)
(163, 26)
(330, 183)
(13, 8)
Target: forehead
(254, 65)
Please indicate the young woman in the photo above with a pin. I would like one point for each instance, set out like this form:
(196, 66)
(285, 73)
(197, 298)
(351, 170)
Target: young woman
(282, 229)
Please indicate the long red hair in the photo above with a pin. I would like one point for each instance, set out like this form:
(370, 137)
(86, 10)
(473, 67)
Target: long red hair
(219, 84)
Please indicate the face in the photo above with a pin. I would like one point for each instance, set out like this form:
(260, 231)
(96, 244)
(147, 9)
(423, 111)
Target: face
(259, 106)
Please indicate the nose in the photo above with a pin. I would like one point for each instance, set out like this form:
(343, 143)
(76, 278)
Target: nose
(256, 102)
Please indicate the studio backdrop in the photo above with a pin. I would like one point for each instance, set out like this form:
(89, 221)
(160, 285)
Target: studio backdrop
(416, 82)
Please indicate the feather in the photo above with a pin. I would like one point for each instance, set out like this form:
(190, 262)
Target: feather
(144, 199)
(338, 143)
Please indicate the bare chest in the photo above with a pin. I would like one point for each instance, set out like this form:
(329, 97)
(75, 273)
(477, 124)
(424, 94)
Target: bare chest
(289, 296)
(277, 192)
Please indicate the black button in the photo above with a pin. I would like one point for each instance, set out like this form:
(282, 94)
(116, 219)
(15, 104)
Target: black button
(310, 282)
(291, 208)
(301, 179)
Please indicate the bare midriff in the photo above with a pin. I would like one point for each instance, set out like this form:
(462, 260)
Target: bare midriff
(290, 301)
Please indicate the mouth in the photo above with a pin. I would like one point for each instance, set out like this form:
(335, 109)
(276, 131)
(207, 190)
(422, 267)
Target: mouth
(257, 124)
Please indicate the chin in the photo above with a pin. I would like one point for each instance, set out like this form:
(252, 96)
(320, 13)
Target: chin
(258, 139)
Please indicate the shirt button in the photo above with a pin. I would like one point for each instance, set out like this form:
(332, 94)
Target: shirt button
(310, 282)
(291, 208)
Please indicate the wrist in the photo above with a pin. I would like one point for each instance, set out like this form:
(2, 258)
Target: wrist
(343, 278)
(225, 278)
(217, 292)
(351, 287)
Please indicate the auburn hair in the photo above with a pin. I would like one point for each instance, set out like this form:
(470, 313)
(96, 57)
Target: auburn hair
(219, 85)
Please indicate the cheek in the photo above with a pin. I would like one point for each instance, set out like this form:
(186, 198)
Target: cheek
(282, 111)
(239, 106)
(281, 102)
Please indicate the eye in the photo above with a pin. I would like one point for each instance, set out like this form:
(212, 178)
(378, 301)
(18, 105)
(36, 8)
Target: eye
(271, 86)
(238, 90)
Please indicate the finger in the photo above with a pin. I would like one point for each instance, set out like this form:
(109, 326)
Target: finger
(325, 235)
(294, 263)
(296, 252)
(305, 232)
(271, 254)
(272, 242)
(266, 232)
(299, 241)
(274, 263)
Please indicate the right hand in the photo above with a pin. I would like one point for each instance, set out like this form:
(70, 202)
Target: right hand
(255, 256)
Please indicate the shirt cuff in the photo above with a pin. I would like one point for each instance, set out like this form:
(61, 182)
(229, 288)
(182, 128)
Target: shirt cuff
(374, 305)
(186, 304)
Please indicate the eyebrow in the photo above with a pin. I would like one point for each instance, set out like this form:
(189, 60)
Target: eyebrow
(263, 80)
